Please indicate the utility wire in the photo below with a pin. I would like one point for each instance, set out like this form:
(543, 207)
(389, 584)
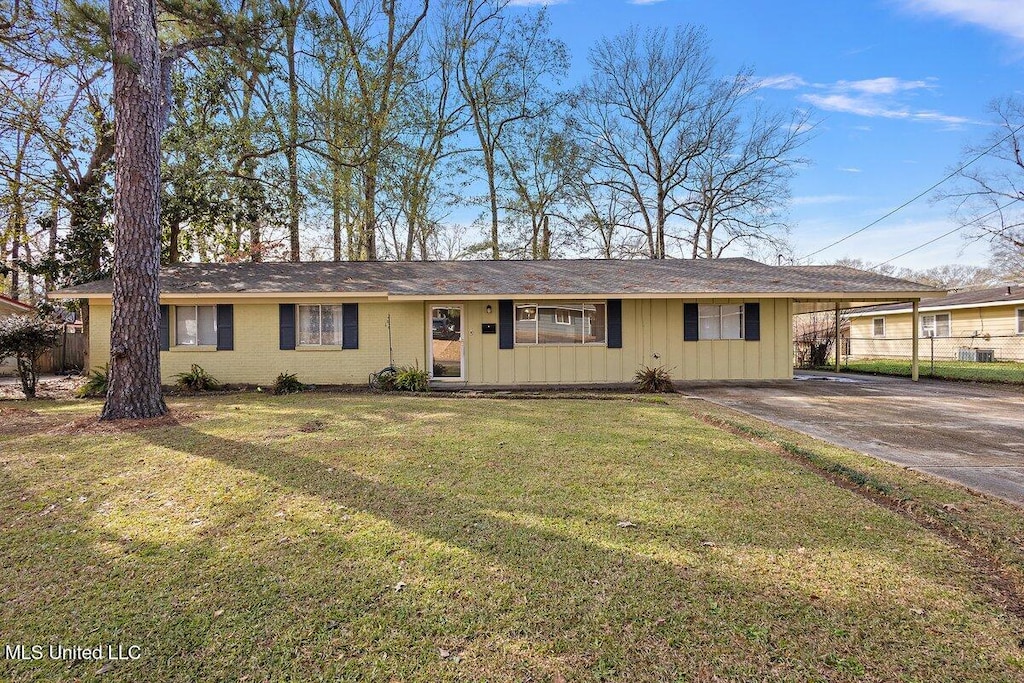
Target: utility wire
(947, 234)
(916, 197)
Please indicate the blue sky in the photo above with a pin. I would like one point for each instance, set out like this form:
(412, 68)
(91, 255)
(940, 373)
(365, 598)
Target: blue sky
(898, 88)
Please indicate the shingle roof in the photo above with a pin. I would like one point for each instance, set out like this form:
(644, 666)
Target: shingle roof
(558, 277)
(993, 295)
(9, 304)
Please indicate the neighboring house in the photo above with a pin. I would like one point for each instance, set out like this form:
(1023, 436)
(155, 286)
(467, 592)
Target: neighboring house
(489, 323)
(975, 325)
(8, 307)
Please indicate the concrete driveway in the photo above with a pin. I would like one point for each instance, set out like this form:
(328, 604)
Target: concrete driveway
(966, 433)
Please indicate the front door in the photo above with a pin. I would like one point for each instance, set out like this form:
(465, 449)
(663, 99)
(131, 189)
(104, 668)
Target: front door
(446, 346)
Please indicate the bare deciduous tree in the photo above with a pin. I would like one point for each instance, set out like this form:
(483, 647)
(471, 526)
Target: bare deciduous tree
(988, 200)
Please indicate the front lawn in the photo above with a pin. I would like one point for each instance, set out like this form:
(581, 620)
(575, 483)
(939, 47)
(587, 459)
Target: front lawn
(1000, 371)
(334, 537)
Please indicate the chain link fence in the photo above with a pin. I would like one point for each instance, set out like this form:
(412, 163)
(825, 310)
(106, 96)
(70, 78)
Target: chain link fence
(988, 358)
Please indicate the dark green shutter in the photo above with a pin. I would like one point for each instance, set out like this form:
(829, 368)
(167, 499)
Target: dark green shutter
(287, 326)
(165, 327)
(691, 322)
(614, 323)
(506, 324)
(752, 322)
(225, 327)
(350, 326)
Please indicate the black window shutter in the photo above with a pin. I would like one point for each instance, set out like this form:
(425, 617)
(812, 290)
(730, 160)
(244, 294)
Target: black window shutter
(614, 323)
(165, 327)
(225, 327)
(287, 320)
(691, 322)
(506, 324)
(752, 321)
(350, 326)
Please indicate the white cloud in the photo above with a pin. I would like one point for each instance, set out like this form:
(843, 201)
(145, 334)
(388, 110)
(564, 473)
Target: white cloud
(848, 169)
(535, 3)
(817, 200)
(781, 82)
(1000, 16)
(886, 85)
(879, 98)
(645, 2)
(883, 97)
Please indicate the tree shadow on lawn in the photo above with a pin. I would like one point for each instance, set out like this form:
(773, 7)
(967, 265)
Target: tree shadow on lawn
(558, 603)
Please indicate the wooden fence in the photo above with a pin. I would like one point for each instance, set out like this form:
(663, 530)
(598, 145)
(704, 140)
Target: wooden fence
(67, 356)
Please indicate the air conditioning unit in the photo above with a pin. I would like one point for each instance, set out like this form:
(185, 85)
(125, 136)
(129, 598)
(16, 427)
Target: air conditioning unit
(967, 354)
(970, 355)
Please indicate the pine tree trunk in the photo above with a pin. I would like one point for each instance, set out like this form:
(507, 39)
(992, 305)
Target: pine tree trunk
(134, 389)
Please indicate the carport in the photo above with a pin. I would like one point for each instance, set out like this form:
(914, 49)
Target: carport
(836, 302)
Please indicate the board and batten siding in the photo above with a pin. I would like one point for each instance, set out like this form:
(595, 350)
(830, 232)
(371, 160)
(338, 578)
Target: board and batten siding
(650, 327)
(257, 357)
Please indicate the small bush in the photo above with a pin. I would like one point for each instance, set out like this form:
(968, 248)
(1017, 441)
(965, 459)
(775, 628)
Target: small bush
(412, 379)
(25, 338)
(653, 380)
(95, 383)
(197, 379)
(288, 383)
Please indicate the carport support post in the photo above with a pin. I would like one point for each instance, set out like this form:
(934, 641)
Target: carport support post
(838, 341)
(915, 360)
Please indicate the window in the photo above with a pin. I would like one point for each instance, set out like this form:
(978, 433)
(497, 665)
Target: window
(878, 327)
(561, 323)
(721, 322)
(319, 325)
(195, 325)
(1020, 321)
(936, 325)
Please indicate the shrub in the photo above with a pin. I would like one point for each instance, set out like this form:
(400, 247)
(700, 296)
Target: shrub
(412, 379)
(288, 383)
(197, 379)
(25, 338)
(653, 380)
(385, 379)
(96, 383)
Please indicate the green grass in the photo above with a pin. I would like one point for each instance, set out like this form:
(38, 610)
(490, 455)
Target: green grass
(1000, 371)
(358, 537)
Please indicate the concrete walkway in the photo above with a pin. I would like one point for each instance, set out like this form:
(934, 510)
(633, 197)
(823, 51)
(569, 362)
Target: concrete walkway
(966, 433)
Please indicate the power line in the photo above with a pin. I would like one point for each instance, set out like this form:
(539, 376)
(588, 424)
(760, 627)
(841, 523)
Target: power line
(916, 197)
(947, 234)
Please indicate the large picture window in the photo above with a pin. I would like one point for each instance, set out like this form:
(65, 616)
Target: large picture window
(195, 325)
(561, 323)
(936, 325)
(319, 325)
(721, 321)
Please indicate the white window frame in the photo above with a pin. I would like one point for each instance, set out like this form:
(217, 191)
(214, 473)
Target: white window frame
(320, 344)
(874, 327)
(934, 331)
(701, 308)
(558, 305)
(559, 314)
(195, 309)
(1020, 321)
